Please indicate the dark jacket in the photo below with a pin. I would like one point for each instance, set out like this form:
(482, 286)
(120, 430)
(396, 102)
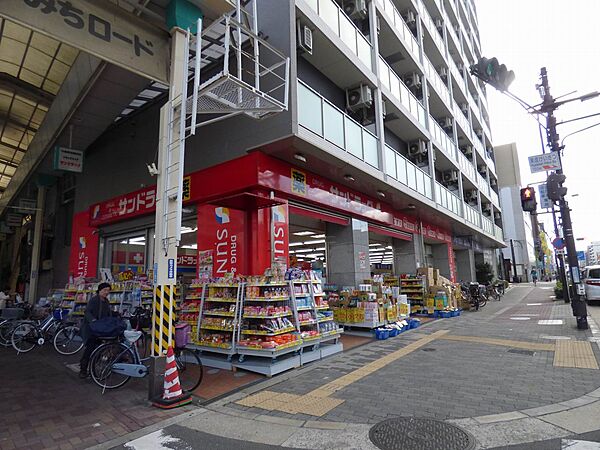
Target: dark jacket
(95, 309)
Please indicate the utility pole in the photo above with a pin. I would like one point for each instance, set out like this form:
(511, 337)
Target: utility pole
(514, 261)
(577, 303)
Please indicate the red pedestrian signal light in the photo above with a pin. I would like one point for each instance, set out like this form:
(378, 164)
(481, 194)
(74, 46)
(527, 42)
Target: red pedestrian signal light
(528, 200)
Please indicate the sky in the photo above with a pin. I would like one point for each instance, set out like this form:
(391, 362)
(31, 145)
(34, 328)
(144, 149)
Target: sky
(564, 37)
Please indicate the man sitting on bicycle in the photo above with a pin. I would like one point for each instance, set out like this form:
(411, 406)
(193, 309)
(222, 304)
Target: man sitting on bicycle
(97, 307)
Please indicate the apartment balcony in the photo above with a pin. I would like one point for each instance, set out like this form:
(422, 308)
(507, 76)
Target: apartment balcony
(476, 111)
(494, 198)
(467, 168)
(498, 233)
(448, 200)
(488, 226)
(458, 79)
(437, 6)
(443, 142)
(440, 88)
(462, 121)
(404, 171)
(472, 215)
(329, 128)
(432, 32)
(450, 8)
(394, 25)
(409, 120)
(483, 185)
(340, 50)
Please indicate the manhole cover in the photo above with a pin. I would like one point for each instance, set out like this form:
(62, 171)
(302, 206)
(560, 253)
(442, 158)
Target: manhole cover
(520, 351)
(417, 433)
(428, 349)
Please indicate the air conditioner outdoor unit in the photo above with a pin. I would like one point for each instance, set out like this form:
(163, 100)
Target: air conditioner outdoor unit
(410, 18)
(497, 215)
(482, 170)
(413, 80)
(439, 24)
(417, 148)
(464, 107)
(443, 72)
(304, 38)
(446, 123)
(450, 176)
(359, 98)
(479, 133)
(467, 151)
(356, 9)
(461, 68)
(493, 182)
(471, 196)
(487, 210)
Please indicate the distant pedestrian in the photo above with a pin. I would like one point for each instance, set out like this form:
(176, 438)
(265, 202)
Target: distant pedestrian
(534, 276)
(97, 307)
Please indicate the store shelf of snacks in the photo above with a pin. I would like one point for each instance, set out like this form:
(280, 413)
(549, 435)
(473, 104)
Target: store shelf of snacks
(214, 327)
(191, 311)
(216, 299)
(213, 348)
(322, 308)
(308, 322)
(218, 313)
(305, 308)
(325, 319)
(332, 334)
(266, 299)
(267, 284)
(273, 352)
(275, 316)
(312, 340)
(267, 333)
(192, 297)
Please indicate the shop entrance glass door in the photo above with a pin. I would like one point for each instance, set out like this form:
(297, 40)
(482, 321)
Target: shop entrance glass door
(128, 253)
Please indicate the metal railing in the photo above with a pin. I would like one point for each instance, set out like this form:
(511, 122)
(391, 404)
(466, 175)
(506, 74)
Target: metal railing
(498, 233)
(466, 166)
(442, 140)
(472, 215)
(398, 89)
(436, 81)
(483, 185)
(487, 225)
(430, 25)
(447, 199)
(462, 120)
(320, 116)
(404, 171)
(340, 23)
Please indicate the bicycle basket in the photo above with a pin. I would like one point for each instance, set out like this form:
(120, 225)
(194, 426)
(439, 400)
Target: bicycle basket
(60, 314)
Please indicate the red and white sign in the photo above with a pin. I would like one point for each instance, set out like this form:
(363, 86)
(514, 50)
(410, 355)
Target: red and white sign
(222, 230)
(84, 247)
(280, 236)
(451, 262)
(125, 206)
(187, 260)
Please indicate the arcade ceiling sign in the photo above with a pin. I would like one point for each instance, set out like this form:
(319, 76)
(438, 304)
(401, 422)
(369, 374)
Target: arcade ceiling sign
(100, 28)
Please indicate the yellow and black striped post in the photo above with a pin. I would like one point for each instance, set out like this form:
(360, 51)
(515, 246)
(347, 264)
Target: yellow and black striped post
(163, 319)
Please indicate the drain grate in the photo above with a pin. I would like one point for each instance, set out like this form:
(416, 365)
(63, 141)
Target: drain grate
(520, 351)
(416, 433)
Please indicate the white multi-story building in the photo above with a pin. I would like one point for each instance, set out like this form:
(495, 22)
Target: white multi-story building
(592, 255)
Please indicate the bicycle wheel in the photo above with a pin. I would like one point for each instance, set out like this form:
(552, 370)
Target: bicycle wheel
(6, 328)
(24, 337)
(67, 340)
(482, 300)
(189, 367)
(102, 361)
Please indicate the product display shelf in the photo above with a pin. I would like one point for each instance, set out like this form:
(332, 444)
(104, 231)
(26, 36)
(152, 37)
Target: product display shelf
(329, 330)
(306, 313)
(81, 295)
(217, 321)
(268, 345)
(414, 289)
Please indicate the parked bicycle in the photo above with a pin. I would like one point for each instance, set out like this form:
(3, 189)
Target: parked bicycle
(114, 363)
(475, 294)
(26, 335)
(9, 319)
(495, 290)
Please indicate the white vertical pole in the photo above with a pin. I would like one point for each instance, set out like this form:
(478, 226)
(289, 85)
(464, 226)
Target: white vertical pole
(37, 245)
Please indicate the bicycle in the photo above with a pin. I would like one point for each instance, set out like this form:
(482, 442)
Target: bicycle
(140, 318)
(65, 338)
(9, 319)
(113, 364)
(473, 293)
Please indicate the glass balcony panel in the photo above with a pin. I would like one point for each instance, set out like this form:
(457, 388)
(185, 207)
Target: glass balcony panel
(314, 4)
(348, 33)
(309, 110)
(395, 87)
(390, 162)
(420, 182)
(364, 50)
(401, 168)
(329, 11)
(428, 187)
(353, 137)
(384, 73)
(411, 175)
(370, 149)
(333, 125)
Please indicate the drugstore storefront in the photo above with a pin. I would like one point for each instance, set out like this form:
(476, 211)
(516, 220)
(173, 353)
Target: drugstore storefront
(249, 214)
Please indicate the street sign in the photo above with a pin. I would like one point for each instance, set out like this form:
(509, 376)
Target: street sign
(68, 159)
(545, 202)
(545, 162)
(559, 243)
(580, 255)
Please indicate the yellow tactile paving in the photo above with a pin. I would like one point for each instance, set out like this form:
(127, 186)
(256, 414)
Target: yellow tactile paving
(575, 354)
(318, 402)
(504, 342)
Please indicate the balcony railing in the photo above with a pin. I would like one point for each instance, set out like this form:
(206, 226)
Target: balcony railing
(442, 140)
(487, 225)
(447, 199)
(401, 169)
(479, 147)
(462, 120)
(452, 32)
(466, 166)
(472, 215)
(483, 185)
(491, 164)
(401, 27)
(494, 197)
(338, 21)
(430, 25)
(498, 233)
(436, 81)
(396, 86)
(327, 121)
(475, 107)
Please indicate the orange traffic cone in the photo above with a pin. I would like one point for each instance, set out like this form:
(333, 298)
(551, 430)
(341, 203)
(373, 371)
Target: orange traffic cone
(173, 396)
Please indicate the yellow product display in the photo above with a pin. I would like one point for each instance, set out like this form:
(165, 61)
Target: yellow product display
(430, 304)
(403, 308)
(439, 303)
(392, 315)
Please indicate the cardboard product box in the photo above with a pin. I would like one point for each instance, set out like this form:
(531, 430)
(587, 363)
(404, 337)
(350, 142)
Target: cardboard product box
(403, 309)
(430, 304)
(436, 275)
(427, 272)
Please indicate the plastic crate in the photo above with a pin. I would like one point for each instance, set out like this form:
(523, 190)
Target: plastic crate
(446, 314)
(382, 334)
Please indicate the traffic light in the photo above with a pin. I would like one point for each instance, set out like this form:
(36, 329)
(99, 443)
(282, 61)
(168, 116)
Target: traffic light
(554, 182)
(492, 72)
(528, 201)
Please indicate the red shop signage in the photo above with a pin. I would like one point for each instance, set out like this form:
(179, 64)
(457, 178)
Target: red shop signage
(126, 206)
(84, 247)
